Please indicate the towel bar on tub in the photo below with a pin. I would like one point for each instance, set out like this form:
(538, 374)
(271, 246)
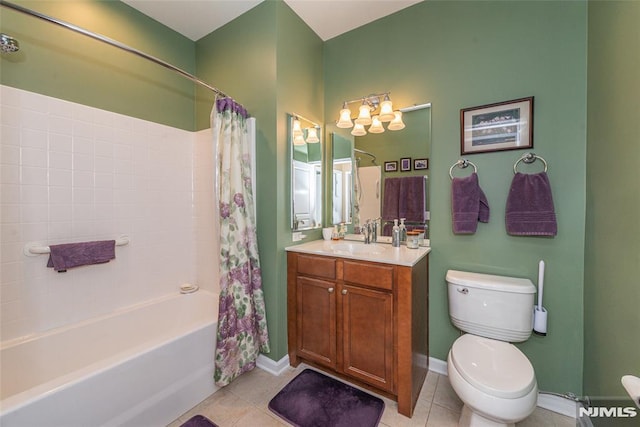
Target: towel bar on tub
(34, 248)
(529, 158)
(462, 163)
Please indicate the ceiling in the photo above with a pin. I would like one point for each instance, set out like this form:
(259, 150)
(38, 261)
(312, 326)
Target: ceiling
(327, 18)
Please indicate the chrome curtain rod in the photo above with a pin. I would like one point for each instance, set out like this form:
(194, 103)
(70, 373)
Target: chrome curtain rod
(357, 150)
(111, 42)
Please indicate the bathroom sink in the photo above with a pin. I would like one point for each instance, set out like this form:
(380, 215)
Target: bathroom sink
(358, 248)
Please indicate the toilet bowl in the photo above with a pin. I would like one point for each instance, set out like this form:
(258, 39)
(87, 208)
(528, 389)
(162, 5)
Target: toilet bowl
(494, 380)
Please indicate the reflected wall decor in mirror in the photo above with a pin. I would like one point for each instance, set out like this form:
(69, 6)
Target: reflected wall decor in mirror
(369, 153)
(305, 144)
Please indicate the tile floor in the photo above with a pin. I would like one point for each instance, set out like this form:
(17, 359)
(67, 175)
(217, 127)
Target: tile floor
(244, 404)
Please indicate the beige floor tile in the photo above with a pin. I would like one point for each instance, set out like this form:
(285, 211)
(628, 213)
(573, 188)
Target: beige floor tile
(440, 416)
(224, 408)
(445, 396)
(546, 418)
(257, 417)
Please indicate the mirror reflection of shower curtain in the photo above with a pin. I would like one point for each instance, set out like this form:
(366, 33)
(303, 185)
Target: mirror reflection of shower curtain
(369, 192)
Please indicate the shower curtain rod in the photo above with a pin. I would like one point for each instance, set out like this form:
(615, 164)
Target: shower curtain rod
(111, 42)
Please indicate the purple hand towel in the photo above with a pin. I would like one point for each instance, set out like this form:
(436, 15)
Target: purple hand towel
(468, 204)
(71, 255)
(411, 201)
(390, 203)
(530, 210)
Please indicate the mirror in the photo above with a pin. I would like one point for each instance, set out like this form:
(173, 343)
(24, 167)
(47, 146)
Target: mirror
(372, 152)
(305, 144)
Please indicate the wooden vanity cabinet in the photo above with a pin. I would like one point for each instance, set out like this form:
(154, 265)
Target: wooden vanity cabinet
(362, 320)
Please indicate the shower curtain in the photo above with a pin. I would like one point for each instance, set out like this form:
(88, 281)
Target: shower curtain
(242, 325)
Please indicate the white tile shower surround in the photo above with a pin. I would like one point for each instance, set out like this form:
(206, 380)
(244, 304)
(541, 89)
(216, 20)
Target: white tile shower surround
(244, 404)
(75, 173)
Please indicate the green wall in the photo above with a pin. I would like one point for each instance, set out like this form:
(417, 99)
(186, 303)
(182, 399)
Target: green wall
(612, 255)
(57, 62)
(271, 62)
(463, 54)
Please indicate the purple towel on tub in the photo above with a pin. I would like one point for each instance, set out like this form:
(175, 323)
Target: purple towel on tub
(412, 199)
(530, 210)
(468, 204)
(69, 255)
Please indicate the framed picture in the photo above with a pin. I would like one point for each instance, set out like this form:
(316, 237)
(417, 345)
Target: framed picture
(420, 164)
(391, 166)
(405, 164)
(496, 127)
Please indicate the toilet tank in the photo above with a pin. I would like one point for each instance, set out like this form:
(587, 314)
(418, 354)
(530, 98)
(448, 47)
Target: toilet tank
(497, 307)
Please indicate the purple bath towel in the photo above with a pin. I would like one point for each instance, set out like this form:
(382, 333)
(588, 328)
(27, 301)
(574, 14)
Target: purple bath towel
(411, 201)
(390, 203)
(71, 255)
(530, 210)
(468, 204)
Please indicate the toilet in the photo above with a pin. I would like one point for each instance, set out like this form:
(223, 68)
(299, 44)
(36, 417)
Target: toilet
(491, 376)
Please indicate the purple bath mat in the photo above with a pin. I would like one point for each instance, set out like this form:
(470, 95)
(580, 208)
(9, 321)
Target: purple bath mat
(198, 421)
(314, 400)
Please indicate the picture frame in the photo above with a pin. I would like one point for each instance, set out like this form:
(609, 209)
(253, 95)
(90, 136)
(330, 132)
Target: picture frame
(500, 126)
(420, 164)
(405, 164)
(391, 166)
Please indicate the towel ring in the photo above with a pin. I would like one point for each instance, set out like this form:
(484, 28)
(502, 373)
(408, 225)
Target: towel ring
(462, 163)
(529, 158)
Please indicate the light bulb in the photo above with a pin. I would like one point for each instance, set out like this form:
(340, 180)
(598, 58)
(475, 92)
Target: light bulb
(364, 118)
(396, 123)
(358, 130)
(345, 118)
(376, 125)
(312, 136)
(386, 110)
(297, 130)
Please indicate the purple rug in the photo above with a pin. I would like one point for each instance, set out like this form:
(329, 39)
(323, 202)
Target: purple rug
(198, 421)
(314, 400)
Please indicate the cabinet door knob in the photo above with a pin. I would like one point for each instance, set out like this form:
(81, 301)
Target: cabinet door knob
(330, 290)
(344, 292)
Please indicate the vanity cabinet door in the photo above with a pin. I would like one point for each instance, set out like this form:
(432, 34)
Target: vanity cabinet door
(316, 320)
(367, 335)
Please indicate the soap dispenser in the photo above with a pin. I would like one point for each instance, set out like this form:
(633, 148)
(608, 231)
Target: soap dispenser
(403, 231)
(343, 230)
(395, 235)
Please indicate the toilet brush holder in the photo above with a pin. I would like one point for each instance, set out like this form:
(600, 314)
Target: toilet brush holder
(540, 320)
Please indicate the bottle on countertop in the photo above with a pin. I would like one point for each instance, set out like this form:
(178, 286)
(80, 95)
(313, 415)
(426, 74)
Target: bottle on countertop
(335, 235)
(395, 234)
(343, 230)
(403, 230)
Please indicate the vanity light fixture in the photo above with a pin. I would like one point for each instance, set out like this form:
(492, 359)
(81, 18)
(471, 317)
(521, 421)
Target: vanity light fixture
(298, 132)
(369, 104)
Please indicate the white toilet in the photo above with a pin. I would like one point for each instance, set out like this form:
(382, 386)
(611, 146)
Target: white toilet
(492, 377)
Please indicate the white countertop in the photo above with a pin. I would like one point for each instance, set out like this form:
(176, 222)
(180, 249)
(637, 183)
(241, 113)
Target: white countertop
(375, 252)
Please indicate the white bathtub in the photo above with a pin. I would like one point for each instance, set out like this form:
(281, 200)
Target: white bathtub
(141, 366)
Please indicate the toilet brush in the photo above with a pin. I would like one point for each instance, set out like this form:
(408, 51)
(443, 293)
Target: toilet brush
(539, 312)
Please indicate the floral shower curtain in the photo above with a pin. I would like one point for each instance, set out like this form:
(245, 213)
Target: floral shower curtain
(242, 325)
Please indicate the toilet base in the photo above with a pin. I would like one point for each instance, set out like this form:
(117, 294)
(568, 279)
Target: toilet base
(468, 418)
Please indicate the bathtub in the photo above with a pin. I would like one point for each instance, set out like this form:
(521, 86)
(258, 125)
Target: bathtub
(141, 366)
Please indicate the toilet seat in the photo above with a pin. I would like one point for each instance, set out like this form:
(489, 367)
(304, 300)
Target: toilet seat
(494, 367)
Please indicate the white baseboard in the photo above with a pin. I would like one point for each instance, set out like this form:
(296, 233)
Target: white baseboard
(274, 368)
(552, 403)
(438, 366)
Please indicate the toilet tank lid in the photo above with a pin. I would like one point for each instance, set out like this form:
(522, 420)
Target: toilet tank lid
(490, 281)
